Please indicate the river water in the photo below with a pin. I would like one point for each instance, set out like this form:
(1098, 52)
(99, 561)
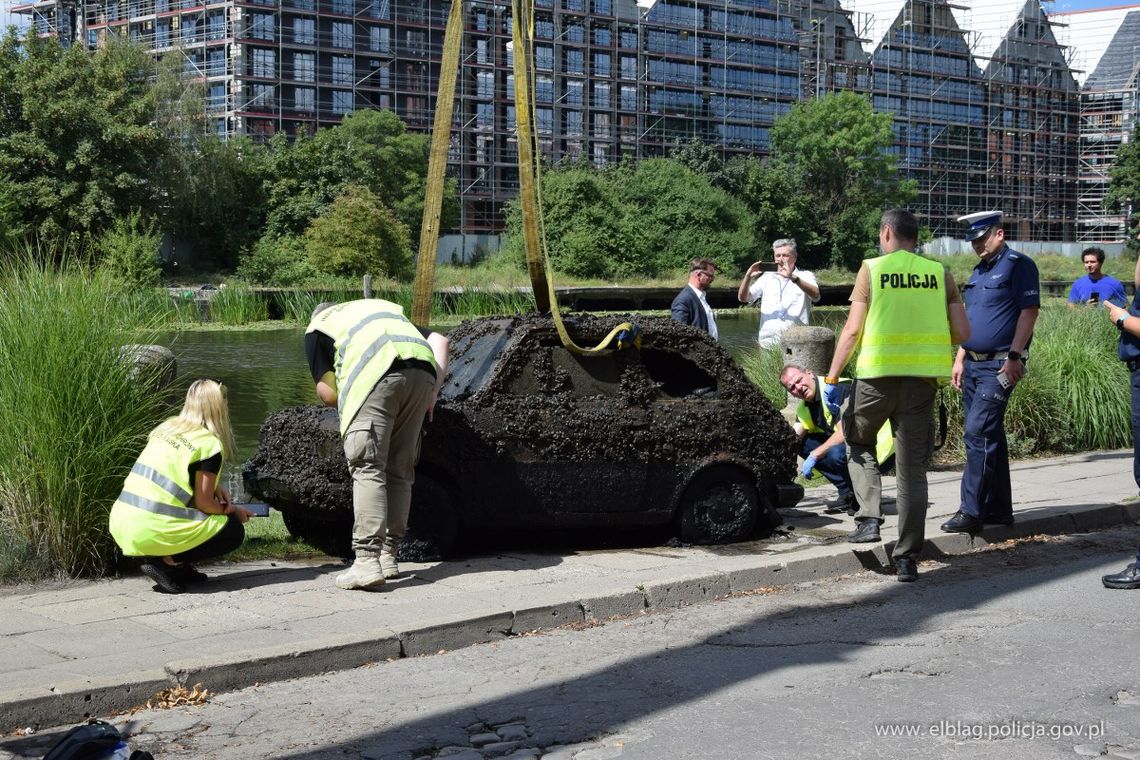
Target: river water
(265, 370)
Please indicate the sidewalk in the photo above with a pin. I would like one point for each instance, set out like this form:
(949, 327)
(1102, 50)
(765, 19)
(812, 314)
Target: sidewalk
(96, 647)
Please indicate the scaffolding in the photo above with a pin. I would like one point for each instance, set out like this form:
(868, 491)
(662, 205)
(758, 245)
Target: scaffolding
(617, 80)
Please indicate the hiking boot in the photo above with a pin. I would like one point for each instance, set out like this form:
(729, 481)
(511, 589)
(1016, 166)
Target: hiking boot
(1129, 577)
(388, 558)
(163, 575)
(187, 574)
(867, 532)
(364, 574)
(906, 570)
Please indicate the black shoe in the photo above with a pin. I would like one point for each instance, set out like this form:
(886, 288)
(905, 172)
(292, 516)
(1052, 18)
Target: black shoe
(187, 574)
(1129, 577)
(853, 509)
(842, 504)
(163, 576)
(906, 571)
(1007, 520)
(962, 523)
(867, 532)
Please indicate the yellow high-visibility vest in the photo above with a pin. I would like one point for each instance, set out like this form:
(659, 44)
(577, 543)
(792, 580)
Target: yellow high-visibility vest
(884, 441)
(368, 335)
(154, 515)
(907, 332)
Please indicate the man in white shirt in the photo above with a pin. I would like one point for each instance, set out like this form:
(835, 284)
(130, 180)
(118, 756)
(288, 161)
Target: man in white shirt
(691, 305)
(785, 295)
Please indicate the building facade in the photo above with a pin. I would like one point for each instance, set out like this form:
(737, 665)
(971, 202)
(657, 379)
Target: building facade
(995, 126)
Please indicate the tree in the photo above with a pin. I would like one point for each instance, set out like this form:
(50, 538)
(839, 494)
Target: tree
(1124, 185)
(358, 235)
(837, 148)
(371, 149)
(77, 144)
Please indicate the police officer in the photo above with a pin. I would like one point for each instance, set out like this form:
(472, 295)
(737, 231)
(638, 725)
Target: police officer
(1002, 301)
(1128, 322)
(382, 373)
(905, 314)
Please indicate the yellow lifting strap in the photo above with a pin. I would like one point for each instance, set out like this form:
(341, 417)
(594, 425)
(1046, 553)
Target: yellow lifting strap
(534, 239)
(437, 167)
(534, 233)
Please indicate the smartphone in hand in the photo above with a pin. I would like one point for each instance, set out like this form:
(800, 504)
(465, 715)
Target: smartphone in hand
(1003, 380)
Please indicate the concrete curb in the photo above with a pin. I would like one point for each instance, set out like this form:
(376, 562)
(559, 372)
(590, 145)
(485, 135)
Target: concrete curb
(70, 701)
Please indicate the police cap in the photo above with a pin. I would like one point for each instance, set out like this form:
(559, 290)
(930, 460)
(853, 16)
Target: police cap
(979, 223)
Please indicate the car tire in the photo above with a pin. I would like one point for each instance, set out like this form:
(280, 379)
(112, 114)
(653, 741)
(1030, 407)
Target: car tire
(433, 524)
(331, 536)
(719, 505)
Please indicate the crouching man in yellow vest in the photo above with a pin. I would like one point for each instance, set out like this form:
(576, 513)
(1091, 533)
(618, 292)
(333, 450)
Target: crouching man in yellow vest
(382, 373)
(172, 509)
(905, 313)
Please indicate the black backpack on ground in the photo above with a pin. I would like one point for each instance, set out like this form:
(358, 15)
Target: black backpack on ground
(90, 740)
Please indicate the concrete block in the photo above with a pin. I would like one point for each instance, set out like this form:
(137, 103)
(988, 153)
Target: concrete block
(1131, 510)
(455, 634)
(614, 605)
(752, 578)
(674, 593)
(1108, 516)
(547, 616)
(247, 663)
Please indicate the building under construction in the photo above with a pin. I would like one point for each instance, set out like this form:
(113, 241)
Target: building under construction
(987, 106)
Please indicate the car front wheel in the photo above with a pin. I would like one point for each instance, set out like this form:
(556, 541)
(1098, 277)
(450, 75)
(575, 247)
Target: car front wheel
(720, 505)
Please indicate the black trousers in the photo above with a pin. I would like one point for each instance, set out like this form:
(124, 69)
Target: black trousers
(223, 543)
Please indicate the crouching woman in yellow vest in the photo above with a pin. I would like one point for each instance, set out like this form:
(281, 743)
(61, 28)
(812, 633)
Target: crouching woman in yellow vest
(172, 509)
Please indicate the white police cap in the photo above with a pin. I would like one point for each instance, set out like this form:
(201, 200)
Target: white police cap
(980, 223)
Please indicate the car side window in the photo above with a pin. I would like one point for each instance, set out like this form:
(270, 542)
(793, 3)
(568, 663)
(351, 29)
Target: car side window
(678, 375)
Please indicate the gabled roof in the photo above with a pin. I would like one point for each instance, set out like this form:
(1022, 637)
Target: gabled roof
(1105, 43)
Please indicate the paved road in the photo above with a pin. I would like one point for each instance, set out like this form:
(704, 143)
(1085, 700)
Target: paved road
(1019, 639)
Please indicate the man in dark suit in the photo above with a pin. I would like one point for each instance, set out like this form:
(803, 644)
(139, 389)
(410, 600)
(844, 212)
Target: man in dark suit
(691, 305)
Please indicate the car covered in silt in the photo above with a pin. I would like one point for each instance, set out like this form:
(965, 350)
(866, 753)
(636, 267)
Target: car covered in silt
(530, 436)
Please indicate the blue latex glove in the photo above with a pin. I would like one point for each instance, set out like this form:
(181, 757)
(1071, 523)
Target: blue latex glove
(809, 465)
(831, 397)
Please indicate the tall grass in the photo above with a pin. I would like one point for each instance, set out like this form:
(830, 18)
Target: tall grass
(73, 418)
(238, 305)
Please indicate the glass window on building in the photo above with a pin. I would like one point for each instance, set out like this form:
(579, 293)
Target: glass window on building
(575, 33)
(575, 62)
(601, 95)
(574, 92)
(511, 123)
(573, 122)
(264, 63)
(216, 96)
(305, 99)
(305, 67)
(481, 48)
(628, 67)
(604, 7)
(261, 96)
(629, 39)
(601, 64)
(216, 62)
(485, 84)
(599, 155)
(544, 120)
(341, 102)
(543, 90)
(601, 125)
(484, 115)
(380, 39)
(544, 58)
(342, 69)
(481, 23)
(305, 31)
(544, 29)
(382, 73)
(380, 9)
(343, 7)
(577, 6)
(261, 26)
(629, 98)
(602, 36)
(341, 34)
(162, 33)
(216, 26)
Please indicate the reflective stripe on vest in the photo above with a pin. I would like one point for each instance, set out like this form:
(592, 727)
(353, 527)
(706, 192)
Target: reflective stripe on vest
(907, 332)
(158, 508)
(369, 335)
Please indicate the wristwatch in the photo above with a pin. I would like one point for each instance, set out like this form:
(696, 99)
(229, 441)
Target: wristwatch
(1016, 355)
(1120, 321)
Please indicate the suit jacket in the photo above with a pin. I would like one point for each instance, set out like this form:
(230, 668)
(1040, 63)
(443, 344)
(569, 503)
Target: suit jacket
(688, 308)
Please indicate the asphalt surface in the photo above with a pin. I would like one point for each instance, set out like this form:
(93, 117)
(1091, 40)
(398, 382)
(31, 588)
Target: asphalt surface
(99, 648)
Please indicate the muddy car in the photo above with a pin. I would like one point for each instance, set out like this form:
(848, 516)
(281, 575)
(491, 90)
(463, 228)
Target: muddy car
(530, 436)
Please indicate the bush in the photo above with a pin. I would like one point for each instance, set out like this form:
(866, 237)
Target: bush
(128, 252)
(73, 420)
(278, 262)
(358, 235)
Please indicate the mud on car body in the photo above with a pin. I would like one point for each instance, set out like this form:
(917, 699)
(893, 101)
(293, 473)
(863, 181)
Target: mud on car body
(528, 435)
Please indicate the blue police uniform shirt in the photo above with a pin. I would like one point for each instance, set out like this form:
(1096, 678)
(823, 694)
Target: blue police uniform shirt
(1106, 287)
(1128, 349)
(995, 294)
